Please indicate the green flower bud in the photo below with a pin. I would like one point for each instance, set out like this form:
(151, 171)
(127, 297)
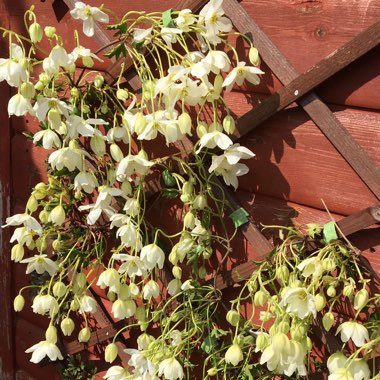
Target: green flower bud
(51, 334)
(262, 341)
(43, 216)
(201, 129)
(184, 123)
(39, 86)
(320, 301)
(361, 299)
(229, 124)
(283, 327)
(212, 371)
(260, 298)
(200, 202)
(233, 317)
(140, 314)
(202, 272)
(17, 253)
(298, 331)
(32, 204)
(84, 335)
(85, 108)
(74, 93)
(110, 353)
(207, 252)
(177, 272)
(218, 85)
(116, 152)
(98, 145)
(187, 191)
(98, 81)
(74, 305)
(57, 215)
(140, 123)
(328, 320)
(331, 291)
(215, 126)
(49, 31)
(18, 303)
(122, 94)
(59, 289)
(234, 355)
(27, 90)
(88, 61)
(35, 32)
(328, 264)
(143, 154)
(56, 244)
(189, 220)
(54, 118)
(67, 326)
(348, 290)
(111, 296)
(282, 273)
(253, 56)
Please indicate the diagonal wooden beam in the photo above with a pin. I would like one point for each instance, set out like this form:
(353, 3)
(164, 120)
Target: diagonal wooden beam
(297, 86)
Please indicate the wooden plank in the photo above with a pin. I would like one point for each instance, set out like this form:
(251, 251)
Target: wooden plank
(6, 300)
(297, 86)
(296, 162)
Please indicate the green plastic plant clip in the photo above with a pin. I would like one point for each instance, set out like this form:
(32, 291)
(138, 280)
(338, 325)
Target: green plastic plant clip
(239, 217)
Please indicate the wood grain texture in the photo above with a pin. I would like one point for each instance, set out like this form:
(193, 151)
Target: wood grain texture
(297, 85)
(295, 161)
(6, 300)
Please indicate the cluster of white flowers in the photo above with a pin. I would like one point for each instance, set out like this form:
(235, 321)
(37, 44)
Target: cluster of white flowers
(90, 217)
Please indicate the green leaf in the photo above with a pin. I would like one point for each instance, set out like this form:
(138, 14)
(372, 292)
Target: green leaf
(169, 180)
(329, 232)
(217, 333)
(239, 217)
(167, 19)
(117, 51)
(121, 28)
(170, 193)
(209, 344)
(206, 218)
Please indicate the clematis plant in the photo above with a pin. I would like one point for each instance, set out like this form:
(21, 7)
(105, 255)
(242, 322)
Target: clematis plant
(90, 223)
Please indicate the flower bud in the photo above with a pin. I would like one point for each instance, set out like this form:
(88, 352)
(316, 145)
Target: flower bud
(18, 303)
(17, 253)
(74, 305)
(189, 220)
(51, 334)
(349, 290)
(361, 299)
(234, 355)
(201, 129)
(282, 273)
(143, 154)
(35, 32)
(57, 215)
(283, 327)
(126, 187)
(110, 353)
(98, 145)
(122, 94)
(43, 216)
(202, 272)
(32, 204)
(187, 191)
(56, 244)
(260, 298)
(200, 202)
(140, 314)
(262, 341)
(39, 86)
(49, 31)
(233, 317)
(27, 90)
(54, 118)
(59, 289)
(88, 61)
(212, 371)
(184, 123)
(116, 152)
(215, 127)
(111, 296)
(140, 123)
(84, 335)
(328, 264)
(229, 124)
(298, 331)
(177, 272)
(253, 56)
(85, 108)
(98, 81)
(67, 326)
(320, 301)
(328, 320)
(74, 93)
(331, 291)
(218, 85)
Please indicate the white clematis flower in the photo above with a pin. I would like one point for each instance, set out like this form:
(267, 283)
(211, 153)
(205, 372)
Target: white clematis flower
(43, 105)
(353, 330)
(86, 181)
(117, 373)
(132, 265)
(185, 19)
(169, 35)
(45, 304)
(28, 221)
(150, 289)
(40, 264)
(87, 304)
(142, 35)
(215, 22)
(311, 266)
(171, 369)
(240, 73)
(214, 139)
(299, 301)
(341, 368)
(152, 255)
(76, 125)
(42, 349)
(18, 105)
(131, 164)
(49, 139)
(88, 15)
(70, 158)
(57, 58)
(109, 278)
(12, 69)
